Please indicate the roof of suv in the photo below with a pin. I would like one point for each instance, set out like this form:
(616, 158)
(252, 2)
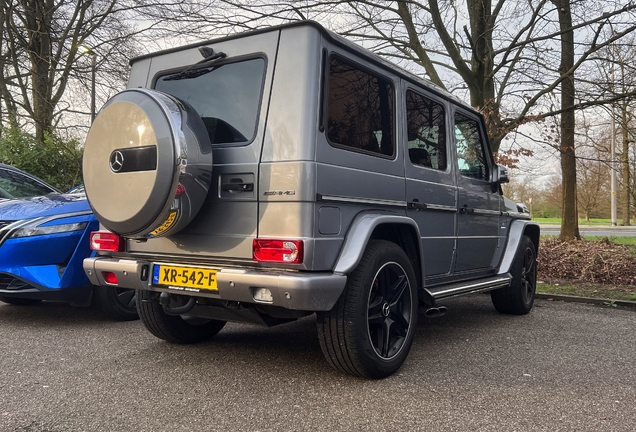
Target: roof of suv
(333, 37)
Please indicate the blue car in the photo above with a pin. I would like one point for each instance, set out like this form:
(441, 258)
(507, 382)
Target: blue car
(43, 241)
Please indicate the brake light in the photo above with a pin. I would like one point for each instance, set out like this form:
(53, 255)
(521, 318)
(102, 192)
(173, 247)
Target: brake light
(106, 241)
(110, 278)
(280, 251)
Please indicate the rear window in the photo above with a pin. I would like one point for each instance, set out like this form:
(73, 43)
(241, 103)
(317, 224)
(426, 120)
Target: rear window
(360, 110)
(227, 96)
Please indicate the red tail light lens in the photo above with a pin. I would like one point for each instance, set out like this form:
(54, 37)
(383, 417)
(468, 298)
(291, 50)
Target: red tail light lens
(180, 190)
(110, 278)
(279, 251)
(106, 241)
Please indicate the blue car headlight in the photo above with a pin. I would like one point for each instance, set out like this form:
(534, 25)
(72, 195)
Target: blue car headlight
(29, 231)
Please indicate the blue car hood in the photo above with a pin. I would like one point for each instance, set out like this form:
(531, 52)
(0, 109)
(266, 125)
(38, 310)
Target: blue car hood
(48, 205)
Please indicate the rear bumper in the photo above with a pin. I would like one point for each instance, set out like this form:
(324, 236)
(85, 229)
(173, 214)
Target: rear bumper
(291, 290)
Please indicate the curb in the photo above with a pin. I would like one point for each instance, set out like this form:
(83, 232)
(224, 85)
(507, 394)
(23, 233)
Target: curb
(592, 300)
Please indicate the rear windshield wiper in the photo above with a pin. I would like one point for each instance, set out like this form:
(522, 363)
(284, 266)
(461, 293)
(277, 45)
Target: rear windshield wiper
(190, 72)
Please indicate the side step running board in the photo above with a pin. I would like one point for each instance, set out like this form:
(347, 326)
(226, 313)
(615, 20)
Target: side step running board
(462, 288)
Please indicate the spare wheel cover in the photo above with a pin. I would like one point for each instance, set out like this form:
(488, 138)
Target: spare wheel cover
(147, 164)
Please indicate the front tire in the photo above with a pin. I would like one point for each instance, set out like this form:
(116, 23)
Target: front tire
(175, 328)
(369, 331)
(518, 298)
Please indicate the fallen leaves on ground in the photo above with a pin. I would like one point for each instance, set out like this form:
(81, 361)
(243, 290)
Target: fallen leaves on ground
(598, 261)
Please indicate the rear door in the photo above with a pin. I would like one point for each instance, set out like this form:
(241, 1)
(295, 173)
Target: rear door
(231, 96)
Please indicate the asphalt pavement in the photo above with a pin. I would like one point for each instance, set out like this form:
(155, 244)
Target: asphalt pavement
(593, 230)
(565, 366)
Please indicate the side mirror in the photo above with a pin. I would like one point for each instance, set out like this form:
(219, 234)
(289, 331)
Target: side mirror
(500, 174)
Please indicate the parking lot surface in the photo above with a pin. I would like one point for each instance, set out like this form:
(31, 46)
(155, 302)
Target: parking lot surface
(564, 366)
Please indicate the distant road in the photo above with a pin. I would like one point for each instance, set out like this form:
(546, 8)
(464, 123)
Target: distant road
(601, 231)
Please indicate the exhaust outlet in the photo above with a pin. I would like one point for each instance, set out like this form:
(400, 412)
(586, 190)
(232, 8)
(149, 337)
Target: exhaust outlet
(435, 312)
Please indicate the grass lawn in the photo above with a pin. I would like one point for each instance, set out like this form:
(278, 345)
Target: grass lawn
(630, 241)
(618, 240)
(557, 221)
(585, 289)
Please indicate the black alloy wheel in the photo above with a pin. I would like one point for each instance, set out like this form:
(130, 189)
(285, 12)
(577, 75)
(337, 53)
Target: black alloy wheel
(518, 298)
(370, 329)
(389, 310)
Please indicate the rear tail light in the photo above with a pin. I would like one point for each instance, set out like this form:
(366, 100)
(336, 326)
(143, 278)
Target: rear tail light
(278, 251)
(106, 241)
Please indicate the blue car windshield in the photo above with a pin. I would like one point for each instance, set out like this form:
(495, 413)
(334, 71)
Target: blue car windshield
(14, 184)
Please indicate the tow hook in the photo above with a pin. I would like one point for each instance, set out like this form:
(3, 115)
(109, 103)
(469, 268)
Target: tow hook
(164, 301)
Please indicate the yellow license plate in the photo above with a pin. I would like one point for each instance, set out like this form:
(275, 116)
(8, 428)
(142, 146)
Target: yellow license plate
(185, 278)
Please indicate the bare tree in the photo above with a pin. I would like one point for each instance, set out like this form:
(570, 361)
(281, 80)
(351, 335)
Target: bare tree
(569, 218)
(614, 77)
(592, 183)
(40, 51)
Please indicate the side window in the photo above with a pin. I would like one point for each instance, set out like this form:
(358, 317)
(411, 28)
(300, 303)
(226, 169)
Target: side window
(426, 131)
(360, 110)
(471, 158)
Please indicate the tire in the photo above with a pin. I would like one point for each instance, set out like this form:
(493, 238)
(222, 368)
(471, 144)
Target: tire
(370, 329)
(174, 328)
(20, 301)
(518, 298)
(117, 303)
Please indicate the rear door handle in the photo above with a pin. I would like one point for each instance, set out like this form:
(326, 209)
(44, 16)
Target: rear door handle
(237, 187)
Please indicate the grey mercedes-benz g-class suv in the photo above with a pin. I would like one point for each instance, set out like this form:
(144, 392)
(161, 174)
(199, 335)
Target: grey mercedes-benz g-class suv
(269, 175)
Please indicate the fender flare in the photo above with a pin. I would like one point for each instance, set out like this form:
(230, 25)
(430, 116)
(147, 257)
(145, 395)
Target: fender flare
(360, 233)
(518, 228)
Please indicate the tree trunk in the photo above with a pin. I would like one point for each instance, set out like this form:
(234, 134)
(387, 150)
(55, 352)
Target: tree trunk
(626, 192)
(569, 219)
(39, 16)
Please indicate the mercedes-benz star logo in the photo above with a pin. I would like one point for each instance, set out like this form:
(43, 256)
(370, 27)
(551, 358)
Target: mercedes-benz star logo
(116, 161)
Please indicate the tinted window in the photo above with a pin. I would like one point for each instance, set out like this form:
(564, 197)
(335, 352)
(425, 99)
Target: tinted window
(360, 112)
(226, 96)
(471, 158)
(426, 131)
(16, 185)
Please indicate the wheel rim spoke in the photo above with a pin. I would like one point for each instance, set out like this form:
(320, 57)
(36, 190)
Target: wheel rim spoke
(528, 274)
(388, 310)
(126, 297)
(398, 288)
(400, 326)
